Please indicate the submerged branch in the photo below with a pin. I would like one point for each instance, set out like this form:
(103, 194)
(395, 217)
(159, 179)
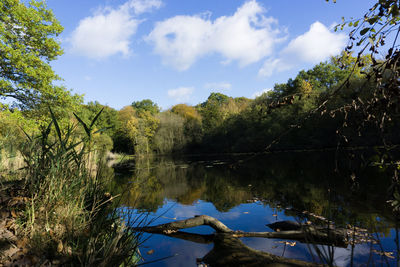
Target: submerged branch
(229, 250)
(188, 223)
(309, 234)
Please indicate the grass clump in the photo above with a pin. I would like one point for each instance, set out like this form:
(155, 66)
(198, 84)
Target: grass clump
(69, 217)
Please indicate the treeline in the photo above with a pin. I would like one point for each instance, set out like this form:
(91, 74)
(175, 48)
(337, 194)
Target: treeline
(141, 128)
(289, 116)
(308, 111)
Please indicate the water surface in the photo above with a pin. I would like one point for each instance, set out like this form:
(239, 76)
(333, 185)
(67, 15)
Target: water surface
(247, 193)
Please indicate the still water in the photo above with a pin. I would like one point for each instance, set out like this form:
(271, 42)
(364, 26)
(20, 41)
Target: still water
(246, 193)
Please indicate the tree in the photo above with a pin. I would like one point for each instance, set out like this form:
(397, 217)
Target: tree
(210, 111)
(379, 109)
(108, 119)
(146, 105)
(27, 45)
(170, 136)
(125, 138)
(135, 131)
(193, 124)
(187, 112)
(147, 127)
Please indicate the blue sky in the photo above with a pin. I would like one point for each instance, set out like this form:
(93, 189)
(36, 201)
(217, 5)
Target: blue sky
(170, 51)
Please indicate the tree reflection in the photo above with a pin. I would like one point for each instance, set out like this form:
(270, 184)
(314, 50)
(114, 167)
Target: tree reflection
(292, 183)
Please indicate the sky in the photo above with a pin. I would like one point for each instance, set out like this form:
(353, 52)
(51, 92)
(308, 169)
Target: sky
(170, 51)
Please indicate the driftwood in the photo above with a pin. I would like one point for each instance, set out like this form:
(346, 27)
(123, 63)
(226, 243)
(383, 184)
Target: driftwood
(310, 234)
(229, 250)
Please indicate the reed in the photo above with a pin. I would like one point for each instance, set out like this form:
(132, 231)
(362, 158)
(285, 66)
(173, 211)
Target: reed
(71, 216)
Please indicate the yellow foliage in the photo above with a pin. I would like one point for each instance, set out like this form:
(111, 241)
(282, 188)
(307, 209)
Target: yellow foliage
(129, 121)
(188, 112)
(305, 87)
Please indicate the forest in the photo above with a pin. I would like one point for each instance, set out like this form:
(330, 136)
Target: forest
(287, 116)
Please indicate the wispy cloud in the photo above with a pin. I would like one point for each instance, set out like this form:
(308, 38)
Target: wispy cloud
(142, 6)
(181, 94)
(314, 46)
(259, 93)
(183, 211)
(109, 30)
(218, 86)
(246, 37)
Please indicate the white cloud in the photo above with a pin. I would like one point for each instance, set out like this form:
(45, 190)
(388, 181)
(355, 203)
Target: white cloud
(183, 211)
(317, 44)
(247, 36)
(109, 30)
(142, 6)
(259, 93)
(181, 94)
(218, 86)
(314, 46)
(274, 65)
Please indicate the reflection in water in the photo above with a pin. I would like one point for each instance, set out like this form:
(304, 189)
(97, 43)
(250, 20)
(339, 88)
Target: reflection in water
(249, 195)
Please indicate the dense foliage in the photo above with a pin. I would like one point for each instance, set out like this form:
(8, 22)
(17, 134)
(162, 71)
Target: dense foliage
(27, 45)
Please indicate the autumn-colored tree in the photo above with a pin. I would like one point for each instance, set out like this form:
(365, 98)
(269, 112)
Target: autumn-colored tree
(170, 136)
(187, 112)
(147, 127)
(125, 136)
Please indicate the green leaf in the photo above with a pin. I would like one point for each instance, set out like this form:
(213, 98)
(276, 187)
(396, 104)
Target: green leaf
(54, 119)
(26, 134)
(96, 117)
(87, 130)
(364, 31)
(47, 132)
(373, 20)
(102, 130)
(394, 10)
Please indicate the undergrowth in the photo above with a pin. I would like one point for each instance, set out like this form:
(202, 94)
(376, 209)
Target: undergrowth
(70, 216)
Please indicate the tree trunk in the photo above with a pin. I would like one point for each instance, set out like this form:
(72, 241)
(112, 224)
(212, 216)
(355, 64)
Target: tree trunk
(309, 234)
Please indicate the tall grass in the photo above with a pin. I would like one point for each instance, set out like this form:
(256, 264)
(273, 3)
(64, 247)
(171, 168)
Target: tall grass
(70, 216)
(11, 161)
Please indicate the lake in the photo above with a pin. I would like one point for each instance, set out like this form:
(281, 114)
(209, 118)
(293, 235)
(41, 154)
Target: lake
(247, 192)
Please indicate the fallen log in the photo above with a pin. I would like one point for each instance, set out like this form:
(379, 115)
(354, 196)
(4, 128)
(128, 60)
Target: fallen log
(189, 223)
(228, 249)
(336, 237)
